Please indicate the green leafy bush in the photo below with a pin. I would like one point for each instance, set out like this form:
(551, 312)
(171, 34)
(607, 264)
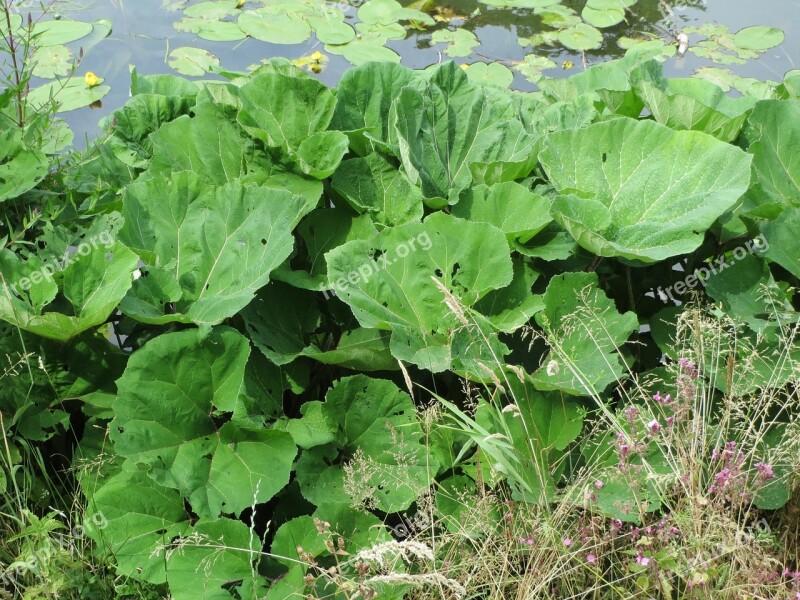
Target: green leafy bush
(257, 285)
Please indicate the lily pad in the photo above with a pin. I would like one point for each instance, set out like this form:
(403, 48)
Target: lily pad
(54, 33)
(275, 27)
(460, 42)
(758, 37)
(581, 37)
(192, 61)
(72, 95)
(490, 73)
(213, 31)
(52, 61)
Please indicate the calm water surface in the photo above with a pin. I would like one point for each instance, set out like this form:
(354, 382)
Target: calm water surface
(143, 36)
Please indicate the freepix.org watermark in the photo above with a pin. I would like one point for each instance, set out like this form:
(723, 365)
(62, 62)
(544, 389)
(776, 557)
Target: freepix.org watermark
(711, 268)
(36, 562)
(72, 255)
(361, 275)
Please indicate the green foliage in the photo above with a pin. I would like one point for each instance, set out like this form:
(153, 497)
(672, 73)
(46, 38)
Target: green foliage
(270, 241)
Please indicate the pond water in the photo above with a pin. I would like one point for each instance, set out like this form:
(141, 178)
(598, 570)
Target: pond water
(143, 34)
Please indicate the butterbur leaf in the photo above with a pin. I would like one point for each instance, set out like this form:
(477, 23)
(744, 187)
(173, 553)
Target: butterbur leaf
(781, 234)
(387, 281)
(140, 516)
(773, 129)
(509, 206)
(374, 186)
(217, 554)
(376, 425)
(447, 123)
(691, 103)
(585, 332)
(218, 469)
(280, 321)
(364, 104)
(141, 116)
(218, 244)
(619, 200)
(291, 114)
(94, 278)
(540, 428)
(359, 349)
(208, 144)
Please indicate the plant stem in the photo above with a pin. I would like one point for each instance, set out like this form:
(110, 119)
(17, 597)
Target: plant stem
(12, 48)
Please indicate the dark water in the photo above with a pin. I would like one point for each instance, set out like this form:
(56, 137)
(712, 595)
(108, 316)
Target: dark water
(143, 36)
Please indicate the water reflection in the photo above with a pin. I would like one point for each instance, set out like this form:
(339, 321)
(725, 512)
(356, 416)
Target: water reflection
(143, 35)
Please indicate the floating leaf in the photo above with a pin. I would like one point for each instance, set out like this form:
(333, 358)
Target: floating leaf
(386, 12)
(214, 31)
(275, 26)
(604, 13)
(72, 95)
(490, 73)
(63, 31)
(580, 37)
(758, 37)
(460, 42)
(52, 61)
(192, 61)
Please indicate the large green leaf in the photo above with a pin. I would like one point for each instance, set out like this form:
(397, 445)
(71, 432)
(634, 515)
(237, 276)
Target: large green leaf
(773, 129)
(364, 105)
(218, 469)
(620, 199)
(280, 321)
(446, 124)
(377, 427)
(388, 281)
(374, 186)
(212, 556)
(209, 144)
(94, 276)
(691, 103)
(781, 235)
(539, 426)
(141, 515)
(21, 168)
(141, 116)
(292, 114)
(509, 206)
(585, 333)
(207, 250)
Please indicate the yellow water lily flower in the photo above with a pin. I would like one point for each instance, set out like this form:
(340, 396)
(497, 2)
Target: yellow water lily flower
(91, 79)
(240, 3)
